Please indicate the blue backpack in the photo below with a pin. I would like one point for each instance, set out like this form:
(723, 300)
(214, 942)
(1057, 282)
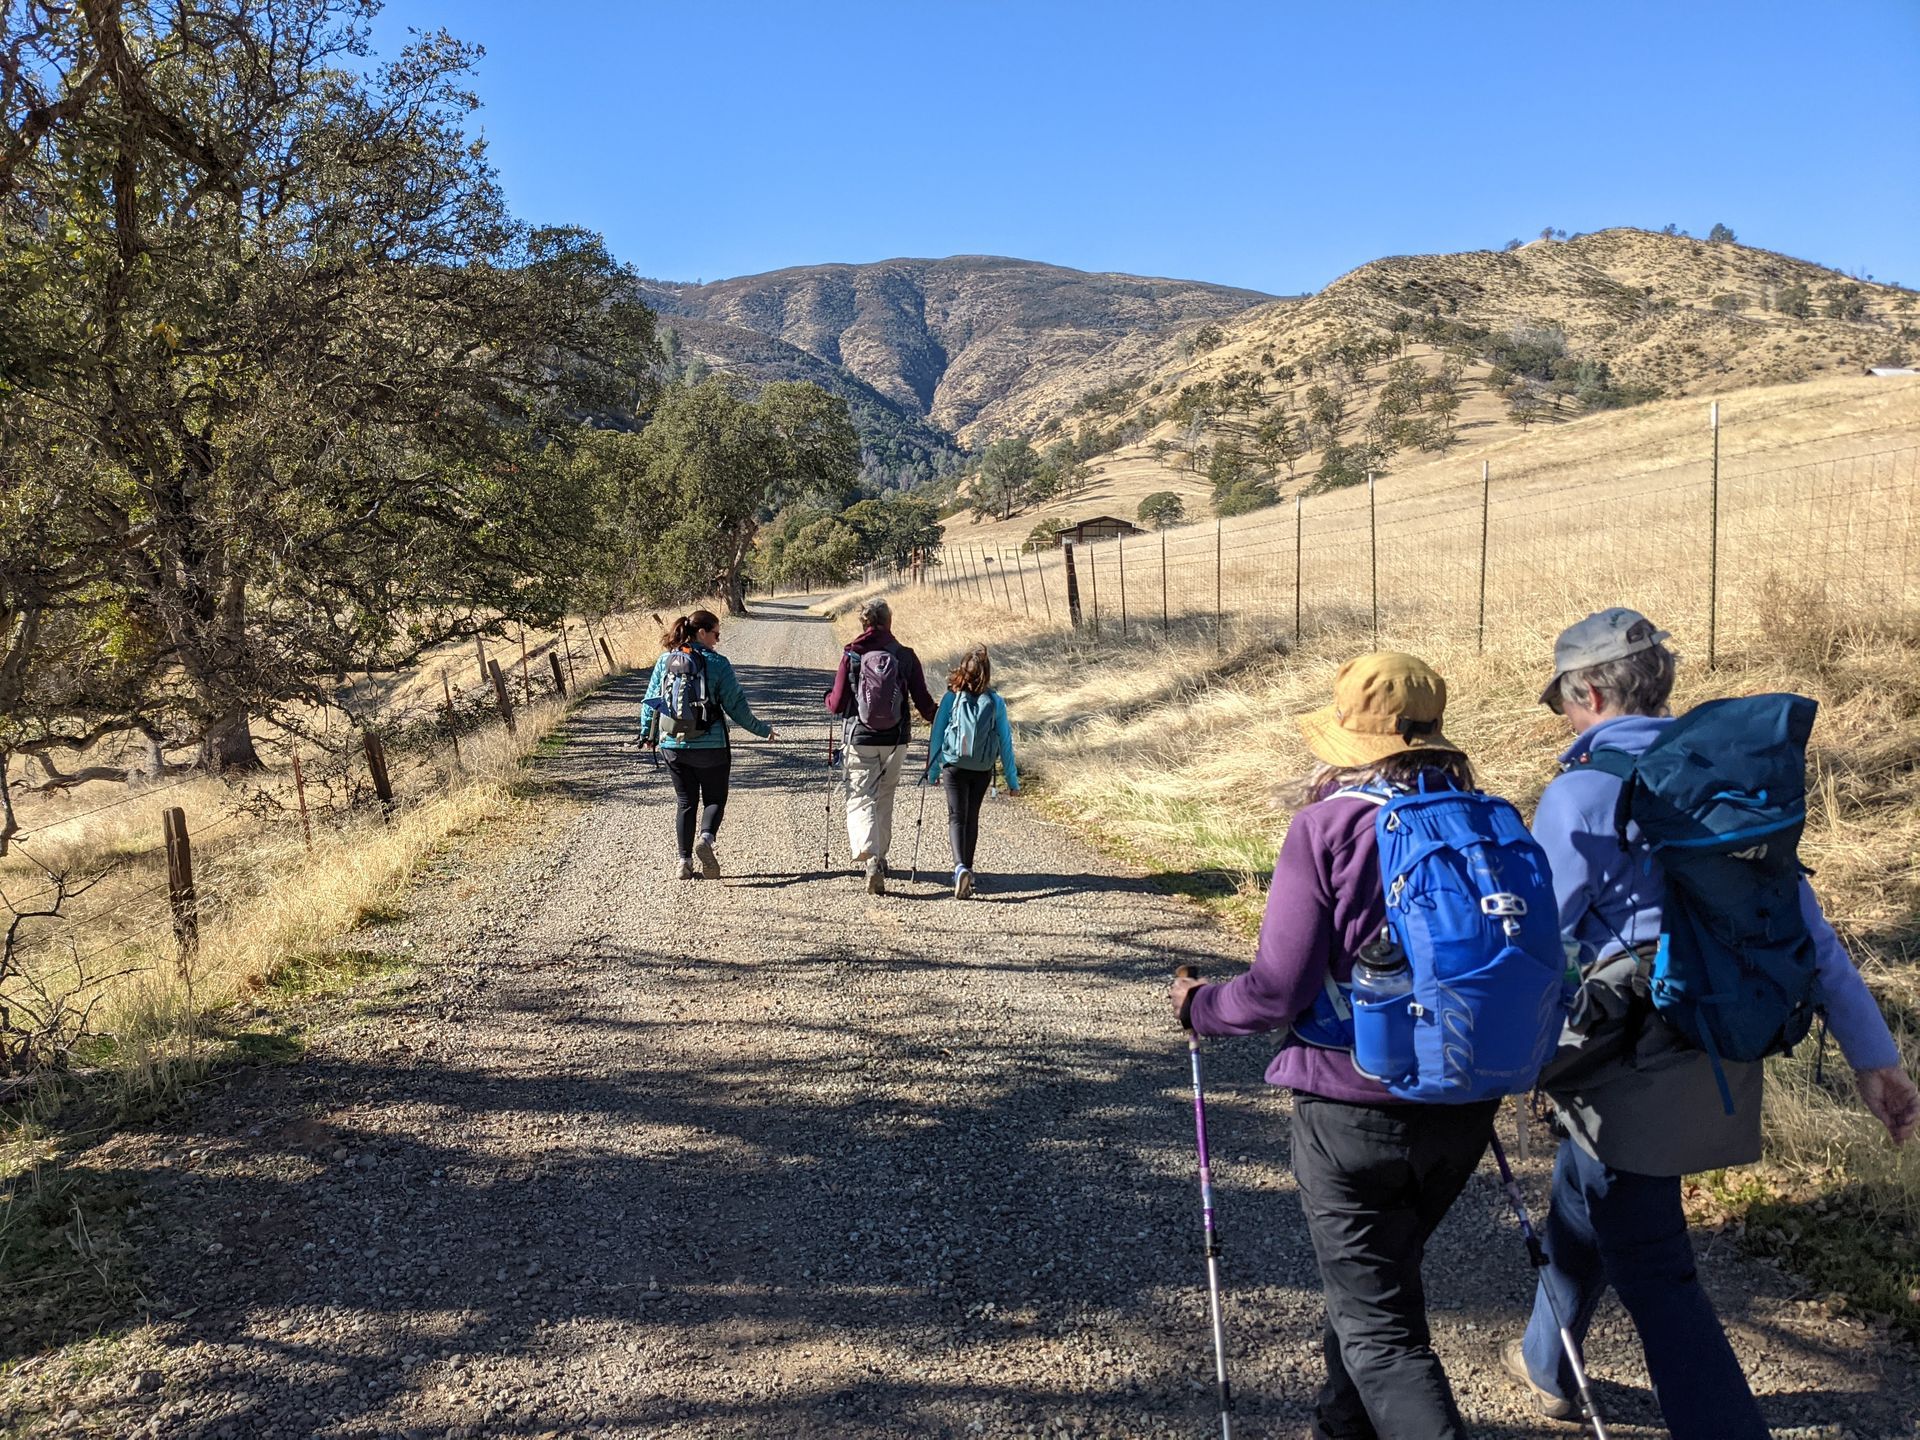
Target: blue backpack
(1721, 799)
(1470, 903)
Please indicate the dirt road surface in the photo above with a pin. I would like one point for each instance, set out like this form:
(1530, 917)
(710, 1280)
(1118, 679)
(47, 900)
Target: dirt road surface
(628, 1156)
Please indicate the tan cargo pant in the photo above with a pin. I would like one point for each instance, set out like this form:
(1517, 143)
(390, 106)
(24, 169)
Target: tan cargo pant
(873, 774)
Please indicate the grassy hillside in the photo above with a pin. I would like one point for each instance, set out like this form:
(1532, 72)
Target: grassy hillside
(1829, 415)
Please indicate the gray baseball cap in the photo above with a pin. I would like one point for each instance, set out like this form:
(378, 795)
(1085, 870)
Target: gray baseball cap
(1607, 635)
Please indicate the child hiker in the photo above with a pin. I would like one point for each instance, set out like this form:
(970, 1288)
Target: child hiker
(970, 732)
(689, 699)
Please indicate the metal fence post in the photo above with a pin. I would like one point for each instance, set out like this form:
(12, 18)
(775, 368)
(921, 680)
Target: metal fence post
(1121, 549)
(1486, 497)
(1219, 614)
(1040, 573)
(1297, 552)
(1373, 559)
(1093, 569)
(1163, 582)
(1713, 549)
(1026, 605)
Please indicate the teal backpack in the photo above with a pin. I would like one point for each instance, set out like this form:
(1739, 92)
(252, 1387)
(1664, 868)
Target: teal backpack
(972, 739)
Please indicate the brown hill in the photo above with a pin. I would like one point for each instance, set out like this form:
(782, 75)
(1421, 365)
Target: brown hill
(954, 341)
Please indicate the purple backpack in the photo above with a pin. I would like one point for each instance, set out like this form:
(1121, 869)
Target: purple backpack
(879, 689)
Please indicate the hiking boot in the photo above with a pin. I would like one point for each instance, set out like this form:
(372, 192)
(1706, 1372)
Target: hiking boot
(1513, 1359)
(709, 862)
(685, 872)
(876, 876)
(962, 883)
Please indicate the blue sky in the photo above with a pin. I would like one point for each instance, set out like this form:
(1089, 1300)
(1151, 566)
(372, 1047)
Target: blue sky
(1268, 145)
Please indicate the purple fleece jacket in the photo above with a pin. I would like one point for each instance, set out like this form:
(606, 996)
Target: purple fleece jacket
(1325, 903)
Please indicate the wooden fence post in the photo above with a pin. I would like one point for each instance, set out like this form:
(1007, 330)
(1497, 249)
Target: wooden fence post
(480, 649)
(500, 696)
(181, 896)
(1073, 586)
(377, 768)
(559, 675)
(453, 720)
(607, 650)
(566, 633)
(300, 792)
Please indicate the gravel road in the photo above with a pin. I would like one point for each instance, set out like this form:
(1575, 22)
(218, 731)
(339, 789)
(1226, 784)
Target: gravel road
(771, 1157)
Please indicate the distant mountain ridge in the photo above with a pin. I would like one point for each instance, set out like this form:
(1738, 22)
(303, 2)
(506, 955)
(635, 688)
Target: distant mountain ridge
(947, 341)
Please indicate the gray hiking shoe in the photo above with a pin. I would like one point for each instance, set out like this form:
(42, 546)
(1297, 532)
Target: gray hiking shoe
(709, 862)
(963, 884)
(1513, 1359)
(876, 876)
(685, 871)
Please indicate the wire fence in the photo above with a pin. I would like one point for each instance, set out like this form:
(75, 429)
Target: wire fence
(1711, 553)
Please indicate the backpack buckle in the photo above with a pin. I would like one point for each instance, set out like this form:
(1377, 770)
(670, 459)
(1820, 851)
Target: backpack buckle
(1507, 908)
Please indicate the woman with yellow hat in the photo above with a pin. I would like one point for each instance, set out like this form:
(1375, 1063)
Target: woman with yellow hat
(1376, 1174)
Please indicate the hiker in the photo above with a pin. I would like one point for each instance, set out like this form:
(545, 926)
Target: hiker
(970, 732)
(1376, 1173)
(1640, 1104)
(877, 679)
(690, 696)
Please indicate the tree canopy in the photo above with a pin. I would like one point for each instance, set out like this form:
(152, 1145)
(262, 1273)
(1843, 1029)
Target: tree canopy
(286, 389)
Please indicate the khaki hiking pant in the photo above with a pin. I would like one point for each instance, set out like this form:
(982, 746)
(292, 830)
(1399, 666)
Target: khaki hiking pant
(873, 773)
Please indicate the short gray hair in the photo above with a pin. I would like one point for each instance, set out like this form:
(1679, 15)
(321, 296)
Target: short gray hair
(1636, 684)
(875, 614)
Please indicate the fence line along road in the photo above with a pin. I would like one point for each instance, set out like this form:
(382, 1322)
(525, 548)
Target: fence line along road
(1718, 558)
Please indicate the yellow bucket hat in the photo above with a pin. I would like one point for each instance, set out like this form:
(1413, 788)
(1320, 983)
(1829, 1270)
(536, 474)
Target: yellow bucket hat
(1383, 704)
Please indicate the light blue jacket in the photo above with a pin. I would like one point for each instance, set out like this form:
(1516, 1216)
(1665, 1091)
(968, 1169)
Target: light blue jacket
(723, 686)
(1003, 731)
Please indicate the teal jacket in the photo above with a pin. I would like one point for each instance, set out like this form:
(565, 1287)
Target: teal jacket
(725, 688)
(1005, 735)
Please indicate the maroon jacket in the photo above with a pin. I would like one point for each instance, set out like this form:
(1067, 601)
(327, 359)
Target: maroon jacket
(840, 698)
(1324, 904)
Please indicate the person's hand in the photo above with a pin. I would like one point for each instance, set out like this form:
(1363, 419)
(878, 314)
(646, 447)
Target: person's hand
(773, 732)
(1892, 1098)
(1180, 993)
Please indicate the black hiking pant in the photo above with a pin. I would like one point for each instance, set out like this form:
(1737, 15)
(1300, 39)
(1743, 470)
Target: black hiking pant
(1375, 1180)
(700, 787)
(964, 789)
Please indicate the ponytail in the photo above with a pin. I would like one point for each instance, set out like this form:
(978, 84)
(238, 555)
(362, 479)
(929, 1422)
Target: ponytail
(680, 634)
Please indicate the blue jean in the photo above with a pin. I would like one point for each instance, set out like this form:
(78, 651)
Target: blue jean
(1612, 1227)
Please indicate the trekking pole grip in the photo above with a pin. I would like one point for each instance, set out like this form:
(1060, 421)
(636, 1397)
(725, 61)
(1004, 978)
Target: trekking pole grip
(1186, 972)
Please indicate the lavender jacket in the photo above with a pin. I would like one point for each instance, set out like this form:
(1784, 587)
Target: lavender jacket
(1325, 903)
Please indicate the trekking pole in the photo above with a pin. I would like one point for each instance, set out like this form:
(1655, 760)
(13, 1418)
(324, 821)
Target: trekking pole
(1208, 1228)
(826, 835)
(920, 819)
(1537, 1254)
